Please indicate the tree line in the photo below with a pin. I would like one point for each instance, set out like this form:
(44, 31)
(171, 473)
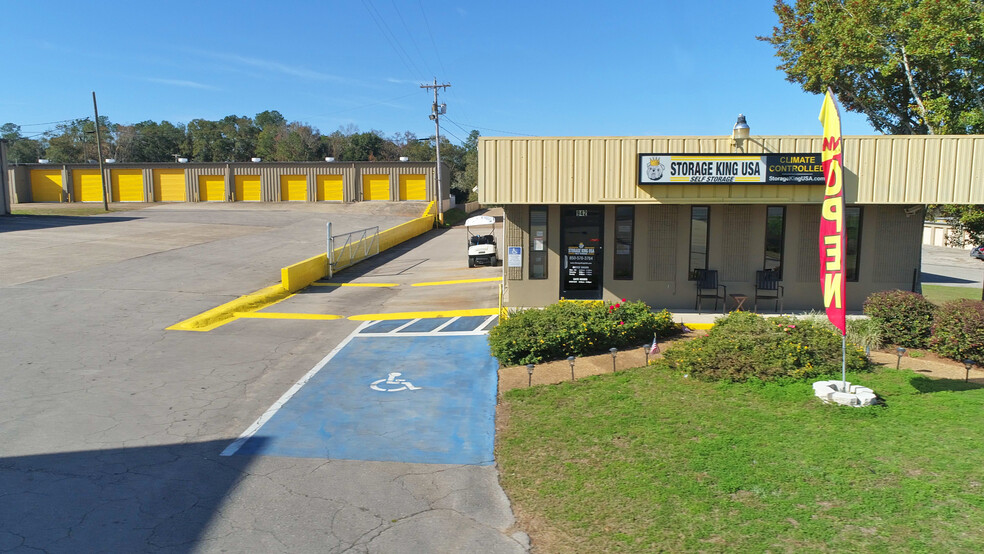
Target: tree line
(235, 138)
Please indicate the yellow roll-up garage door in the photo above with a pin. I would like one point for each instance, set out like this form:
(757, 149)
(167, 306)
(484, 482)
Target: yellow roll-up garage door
(413, 187)
(211, 188)
(375, 187)
(293, 187)
(88, 185)
(330, 188)
(46, 185)
(169, 185)
(128, 185)
(248, 188)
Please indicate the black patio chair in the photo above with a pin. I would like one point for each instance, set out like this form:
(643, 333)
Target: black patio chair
(768, 287)
(708, 287)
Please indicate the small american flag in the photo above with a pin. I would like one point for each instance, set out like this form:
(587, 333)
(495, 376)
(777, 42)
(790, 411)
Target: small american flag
(655, 348)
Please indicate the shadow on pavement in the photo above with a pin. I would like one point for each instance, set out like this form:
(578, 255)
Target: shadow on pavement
(115, 500)
(930, 278)
(28, 222)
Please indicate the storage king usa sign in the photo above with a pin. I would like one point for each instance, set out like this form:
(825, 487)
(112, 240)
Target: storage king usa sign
(771, 169)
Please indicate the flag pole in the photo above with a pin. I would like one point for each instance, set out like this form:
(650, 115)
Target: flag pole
(844, 363)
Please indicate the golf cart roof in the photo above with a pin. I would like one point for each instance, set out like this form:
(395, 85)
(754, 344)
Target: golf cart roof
(480, 221)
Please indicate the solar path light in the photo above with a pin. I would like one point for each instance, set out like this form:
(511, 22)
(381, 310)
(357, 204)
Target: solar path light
(614, 351)
(967, 365)
(899, 352)
(570, 360)
(529, 370)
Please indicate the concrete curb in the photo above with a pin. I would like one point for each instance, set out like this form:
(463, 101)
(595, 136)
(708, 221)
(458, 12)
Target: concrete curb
(296, 277)
(206, 321)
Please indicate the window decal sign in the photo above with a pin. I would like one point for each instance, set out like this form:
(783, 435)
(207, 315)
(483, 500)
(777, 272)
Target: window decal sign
(773, 169)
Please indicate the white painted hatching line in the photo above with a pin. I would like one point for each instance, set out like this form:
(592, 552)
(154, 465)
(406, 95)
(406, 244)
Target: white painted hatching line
(424, 334)
(404, 326)
(487, 321)
(272, 410)
(446, 323)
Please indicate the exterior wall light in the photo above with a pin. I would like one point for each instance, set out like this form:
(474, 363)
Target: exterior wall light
(740, 132)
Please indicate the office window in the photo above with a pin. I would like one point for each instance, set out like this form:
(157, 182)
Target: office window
(624, 223)
(852, 257)
(775, 238)
(538, 242)
(700, 217)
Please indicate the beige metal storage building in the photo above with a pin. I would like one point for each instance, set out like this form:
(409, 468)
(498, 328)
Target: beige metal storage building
(635, 217)
(230, 182)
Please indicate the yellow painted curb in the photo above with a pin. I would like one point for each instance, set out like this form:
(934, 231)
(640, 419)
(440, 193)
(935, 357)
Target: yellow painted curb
(285, 315)
(696, 326)
(220, 315)
(433, 283)
(424, 315)
(355, 284)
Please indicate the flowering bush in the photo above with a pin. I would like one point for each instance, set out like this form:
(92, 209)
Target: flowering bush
(744, 346)
(958, 330)
(576, 328)
(906, 317)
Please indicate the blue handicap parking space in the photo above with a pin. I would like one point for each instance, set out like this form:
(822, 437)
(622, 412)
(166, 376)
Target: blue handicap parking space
(425, 325)
(386, 326)
(468, 323)
(420, 399)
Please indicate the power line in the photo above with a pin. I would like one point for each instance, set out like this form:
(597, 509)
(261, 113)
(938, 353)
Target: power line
(47, 123)
(370, 105)
(437, 52)
(410, 34)
(377, 18)
(487, 129)
(453, 135)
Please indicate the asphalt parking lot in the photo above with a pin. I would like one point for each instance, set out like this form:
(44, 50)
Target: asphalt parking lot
(112, 428)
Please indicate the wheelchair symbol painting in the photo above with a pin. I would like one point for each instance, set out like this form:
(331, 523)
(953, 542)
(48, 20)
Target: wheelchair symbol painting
(392, 383)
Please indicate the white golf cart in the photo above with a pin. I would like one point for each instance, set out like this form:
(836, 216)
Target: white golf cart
(481, 241)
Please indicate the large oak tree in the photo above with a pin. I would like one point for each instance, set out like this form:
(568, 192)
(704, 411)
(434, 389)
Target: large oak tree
(911, 66)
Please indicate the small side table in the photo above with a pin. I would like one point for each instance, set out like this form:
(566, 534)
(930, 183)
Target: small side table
(738, 300)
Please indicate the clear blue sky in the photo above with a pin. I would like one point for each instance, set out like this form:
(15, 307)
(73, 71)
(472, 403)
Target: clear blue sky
(546, 68)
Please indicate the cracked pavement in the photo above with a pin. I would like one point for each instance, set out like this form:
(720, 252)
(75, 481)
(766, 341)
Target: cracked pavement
(111, 427)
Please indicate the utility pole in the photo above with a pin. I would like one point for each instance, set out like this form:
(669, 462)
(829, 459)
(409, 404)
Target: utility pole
(99, 154)
(437, 110)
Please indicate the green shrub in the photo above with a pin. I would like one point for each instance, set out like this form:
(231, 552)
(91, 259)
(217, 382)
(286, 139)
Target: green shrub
(865, 333)
(743, 346)
(576, 328)
(907, 317)
(958, 330)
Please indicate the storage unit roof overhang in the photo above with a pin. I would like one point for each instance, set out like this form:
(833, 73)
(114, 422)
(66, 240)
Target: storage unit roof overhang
(606, 170)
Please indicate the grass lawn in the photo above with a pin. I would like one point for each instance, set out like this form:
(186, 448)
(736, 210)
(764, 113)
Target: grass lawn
(645, 460)
(938, 294)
